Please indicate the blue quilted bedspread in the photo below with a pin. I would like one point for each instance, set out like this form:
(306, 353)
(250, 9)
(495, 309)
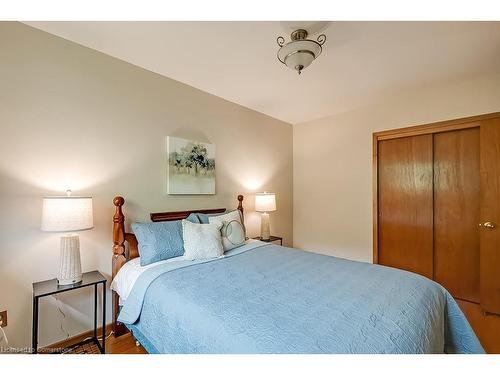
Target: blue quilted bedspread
(272, 299)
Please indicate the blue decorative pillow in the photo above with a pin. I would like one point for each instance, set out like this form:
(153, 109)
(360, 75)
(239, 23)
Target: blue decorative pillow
(203, 218)
(193, 218)
(159, 241)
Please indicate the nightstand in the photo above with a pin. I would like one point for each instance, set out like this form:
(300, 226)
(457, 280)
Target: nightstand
(51, 287)
(271, 239)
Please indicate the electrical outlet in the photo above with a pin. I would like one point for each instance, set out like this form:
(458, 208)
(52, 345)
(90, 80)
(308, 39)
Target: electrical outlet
(3, 318)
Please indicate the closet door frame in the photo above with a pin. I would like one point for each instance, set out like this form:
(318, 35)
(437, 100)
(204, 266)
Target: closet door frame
(437, 127)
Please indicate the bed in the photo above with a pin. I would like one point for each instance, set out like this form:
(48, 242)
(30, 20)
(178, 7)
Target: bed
(265, 298)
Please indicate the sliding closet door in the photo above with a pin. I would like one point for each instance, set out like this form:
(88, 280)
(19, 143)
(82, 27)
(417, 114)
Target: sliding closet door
(490, 215)
(456, 212)
(405, 198)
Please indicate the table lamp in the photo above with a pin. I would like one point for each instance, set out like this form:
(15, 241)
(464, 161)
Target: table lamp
(265, 203)
(68, 214)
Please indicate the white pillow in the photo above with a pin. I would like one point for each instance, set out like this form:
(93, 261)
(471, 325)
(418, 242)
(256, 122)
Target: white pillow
(202, 241)
(233, 230)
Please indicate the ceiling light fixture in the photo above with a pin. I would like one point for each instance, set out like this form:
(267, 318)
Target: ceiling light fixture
(300, 52)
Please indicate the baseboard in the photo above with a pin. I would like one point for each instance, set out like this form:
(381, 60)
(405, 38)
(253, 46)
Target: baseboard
(75, 339)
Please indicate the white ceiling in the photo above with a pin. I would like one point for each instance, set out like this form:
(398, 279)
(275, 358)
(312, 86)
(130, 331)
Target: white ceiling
(237, 60)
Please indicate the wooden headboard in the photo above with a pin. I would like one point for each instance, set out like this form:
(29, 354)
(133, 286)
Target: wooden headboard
(122, 254)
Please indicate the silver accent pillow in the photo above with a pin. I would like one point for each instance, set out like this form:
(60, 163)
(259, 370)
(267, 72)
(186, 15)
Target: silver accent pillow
(232, 231)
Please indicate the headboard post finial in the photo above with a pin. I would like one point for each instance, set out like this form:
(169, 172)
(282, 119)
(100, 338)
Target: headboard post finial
(118, 201)
(240, 205)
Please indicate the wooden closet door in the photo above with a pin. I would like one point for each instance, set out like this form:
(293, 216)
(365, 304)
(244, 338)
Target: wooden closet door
(405, 231)
(490, 215)
(456, 212)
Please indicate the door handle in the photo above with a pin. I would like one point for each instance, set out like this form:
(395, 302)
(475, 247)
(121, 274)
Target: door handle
(488, 225)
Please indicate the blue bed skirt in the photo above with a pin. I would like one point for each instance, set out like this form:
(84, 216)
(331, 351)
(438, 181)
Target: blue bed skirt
(139, 336)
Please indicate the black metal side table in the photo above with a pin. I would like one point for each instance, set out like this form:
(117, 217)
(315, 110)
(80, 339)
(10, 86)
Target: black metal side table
(51, 287)
(271, 239)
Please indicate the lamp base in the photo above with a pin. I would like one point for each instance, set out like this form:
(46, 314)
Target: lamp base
(69, 281)
(70, 266)
(265, 231)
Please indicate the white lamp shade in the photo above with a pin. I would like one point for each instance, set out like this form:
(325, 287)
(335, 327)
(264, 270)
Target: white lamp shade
(265, 202)
(64, 214)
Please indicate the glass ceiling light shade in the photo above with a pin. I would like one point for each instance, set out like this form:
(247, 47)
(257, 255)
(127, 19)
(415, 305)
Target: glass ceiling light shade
(300, 52)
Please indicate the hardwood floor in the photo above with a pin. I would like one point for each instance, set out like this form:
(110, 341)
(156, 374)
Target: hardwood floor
(123, 345)
(487, 327)
(114, 345)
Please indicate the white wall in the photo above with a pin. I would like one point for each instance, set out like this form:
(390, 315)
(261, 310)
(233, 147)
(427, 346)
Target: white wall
(72, 117)
(332, 167)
